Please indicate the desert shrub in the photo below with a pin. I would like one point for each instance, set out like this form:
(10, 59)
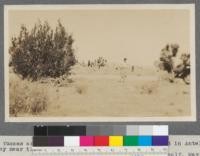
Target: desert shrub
(26, 98)
(42, 51)
(81, 89)
(166, 57)
(99, 62)
(149, 88)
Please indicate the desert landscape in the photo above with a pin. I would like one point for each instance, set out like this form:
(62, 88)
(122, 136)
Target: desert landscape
(75, 62)
(93, 92)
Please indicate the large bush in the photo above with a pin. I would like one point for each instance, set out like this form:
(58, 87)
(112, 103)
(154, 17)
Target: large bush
(42, 51)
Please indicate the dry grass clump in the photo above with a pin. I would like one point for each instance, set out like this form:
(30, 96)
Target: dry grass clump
(81, 89)
(149, 88)
(26, 98)
(62, 81)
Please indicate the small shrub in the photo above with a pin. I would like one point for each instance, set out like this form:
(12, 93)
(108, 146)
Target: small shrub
(37, 100)
(80, 89)
(149, 88)
(70, 80)
(26, 98)
(42, 52)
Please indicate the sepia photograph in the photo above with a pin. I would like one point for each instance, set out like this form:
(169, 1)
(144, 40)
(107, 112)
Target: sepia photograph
(108, 63)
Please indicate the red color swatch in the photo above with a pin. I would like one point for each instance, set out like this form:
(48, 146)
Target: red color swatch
(101, 140)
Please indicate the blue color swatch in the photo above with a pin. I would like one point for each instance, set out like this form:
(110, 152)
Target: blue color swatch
(145, 140)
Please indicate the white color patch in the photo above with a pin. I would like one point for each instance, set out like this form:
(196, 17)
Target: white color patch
(160, 130)
(71, 141)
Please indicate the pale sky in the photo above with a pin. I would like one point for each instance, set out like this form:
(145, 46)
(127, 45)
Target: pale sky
(138, 35)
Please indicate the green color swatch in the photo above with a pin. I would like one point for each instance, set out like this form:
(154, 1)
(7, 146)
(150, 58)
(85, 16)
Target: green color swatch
(130, 141)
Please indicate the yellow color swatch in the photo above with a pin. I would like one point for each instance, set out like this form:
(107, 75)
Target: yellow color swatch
(115, 140)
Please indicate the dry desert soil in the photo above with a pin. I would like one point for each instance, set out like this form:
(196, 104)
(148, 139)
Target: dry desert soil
(93, 92)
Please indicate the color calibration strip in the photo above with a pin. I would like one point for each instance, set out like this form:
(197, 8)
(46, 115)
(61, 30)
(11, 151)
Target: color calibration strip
(111, 136)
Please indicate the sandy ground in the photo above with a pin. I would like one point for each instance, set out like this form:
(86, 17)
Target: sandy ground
(97, 93)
